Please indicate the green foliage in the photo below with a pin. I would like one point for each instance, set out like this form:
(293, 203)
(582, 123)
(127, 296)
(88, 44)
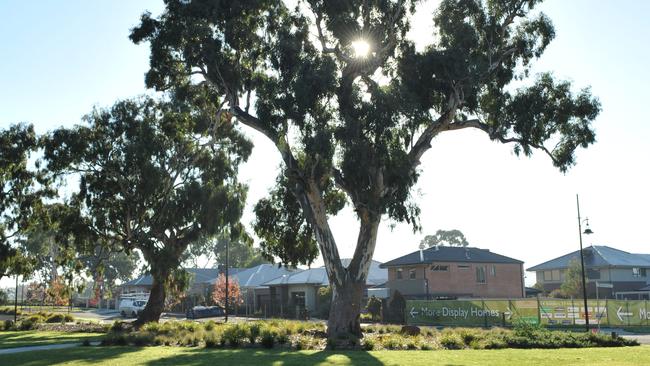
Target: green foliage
(154, 176)
(452, 238)
(374, 307)
(451, 340)
(362, 124)
(268, 338)
(21, 191)
(572, 285)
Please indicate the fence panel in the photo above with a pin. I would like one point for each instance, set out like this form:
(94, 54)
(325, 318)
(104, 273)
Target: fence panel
(550, 312)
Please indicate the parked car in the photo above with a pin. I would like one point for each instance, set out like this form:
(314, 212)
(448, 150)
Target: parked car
(204, 312)
(131, 307)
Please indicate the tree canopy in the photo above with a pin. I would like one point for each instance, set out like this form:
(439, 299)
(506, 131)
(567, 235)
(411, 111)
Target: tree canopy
(151, 178)
(352, 128)
(21, 190)
(452, 238)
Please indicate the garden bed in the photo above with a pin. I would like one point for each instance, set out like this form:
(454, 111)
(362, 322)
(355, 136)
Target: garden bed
(296, 335)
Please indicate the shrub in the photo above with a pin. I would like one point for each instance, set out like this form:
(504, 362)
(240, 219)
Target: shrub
(451, 341)
(212, 340)
(9, 324)
(235, 334)
(68, 318)
(394, 341)
(368, 344)
(268, 338)
(253, 332)
(55, 318)
(117, 326)
(209, 325)
(282, 338)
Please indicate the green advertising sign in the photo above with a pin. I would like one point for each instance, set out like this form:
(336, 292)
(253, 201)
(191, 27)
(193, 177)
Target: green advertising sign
(509, 312)
(470, 312)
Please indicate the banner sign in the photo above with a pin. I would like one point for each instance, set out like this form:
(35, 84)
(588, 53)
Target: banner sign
(550, 312)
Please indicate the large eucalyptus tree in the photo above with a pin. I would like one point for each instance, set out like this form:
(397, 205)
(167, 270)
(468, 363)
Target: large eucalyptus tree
(150, 178)
(21, 190)
(352, 104)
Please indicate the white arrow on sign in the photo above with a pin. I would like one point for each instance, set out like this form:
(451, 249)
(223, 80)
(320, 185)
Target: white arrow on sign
(413, 313)
(508, 314)
(620, 314)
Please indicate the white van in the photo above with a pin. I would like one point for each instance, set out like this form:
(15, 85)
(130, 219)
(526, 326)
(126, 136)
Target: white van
(131, 307)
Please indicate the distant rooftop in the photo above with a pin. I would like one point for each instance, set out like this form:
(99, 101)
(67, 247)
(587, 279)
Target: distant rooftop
(597, 256)
(450, 254)
(318, 276)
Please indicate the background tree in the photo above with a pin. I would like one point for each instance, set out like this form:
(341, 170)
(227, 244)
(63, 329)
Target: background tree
(572, 285)
(219, 292)
(21, 190)
(452, 238)
(208, 251)
(152, 179)
(352, 126)
(374, 308)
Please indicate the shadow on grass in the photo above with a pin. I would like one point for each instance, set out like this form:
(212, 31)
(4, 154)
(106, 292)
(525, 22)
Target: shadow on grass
(243, 357)
(38, 338)
(90, 355)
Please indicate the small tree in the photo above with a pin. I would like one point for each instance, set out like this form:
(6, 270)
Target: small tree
(572, 285)
(219, 292)
(374, 307)
(452, 238)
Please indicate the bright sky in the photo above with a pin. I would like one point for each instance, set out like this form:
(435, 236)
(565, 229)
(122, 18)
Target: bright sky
(59, 59)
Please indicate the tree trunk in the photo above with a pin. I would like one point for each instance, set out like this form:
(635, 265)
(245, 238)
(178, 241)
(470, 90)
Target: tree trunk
(156, 303)
(345, 310)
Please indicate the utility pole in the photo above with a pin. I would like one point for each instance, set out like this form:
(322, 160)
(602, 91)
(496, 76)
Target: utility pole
(582, 266)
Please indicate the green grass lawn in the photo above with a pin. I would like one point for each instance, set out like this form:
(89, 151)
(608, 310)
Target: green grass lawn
(38, 338)
(152, 356)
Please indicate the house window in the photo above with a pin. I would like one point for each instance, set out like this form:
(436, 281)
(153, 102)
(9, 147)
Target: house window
(411, 274)
(553, 275)
(399, 274)
(638, 272)
(463, 266)
(480, 275)
(439, 268)
(494, 270)
(593, 274)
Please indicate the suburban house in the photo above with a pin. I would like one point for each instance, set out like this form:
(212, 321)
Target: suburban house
(299, 290)
(454, 272)
(203, 279)
(251, 280)
(200, 282)
(619, 274)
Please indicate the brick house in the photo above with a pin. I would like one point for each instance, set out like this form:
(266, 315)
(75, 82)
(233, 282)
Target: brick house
(452, 272)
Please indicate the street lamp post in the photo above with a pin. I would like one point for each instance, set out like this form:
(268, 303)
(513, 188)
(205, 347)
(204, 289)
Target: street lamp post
(582, 262)
(226, 309)
(16, 302)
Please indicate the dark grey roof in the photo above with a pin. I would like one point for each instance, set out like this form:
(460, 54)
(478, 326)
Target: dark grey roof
(318, 276)
(199, 275)
(450, 254)
(647, 288)
(597, 256)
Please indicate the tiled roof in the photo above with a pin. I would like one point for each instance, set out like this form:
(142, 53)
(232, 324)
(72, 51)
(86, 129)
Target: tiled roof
(450, 254)
(597, 256)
